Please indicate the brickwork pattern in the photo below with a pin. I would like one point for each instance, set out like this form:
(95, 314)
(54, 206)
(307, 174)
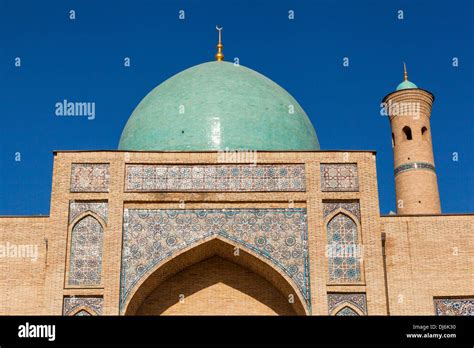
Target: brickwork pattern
(416, 185)
(339, 177)
(88, 177)
(210, 287)
(427, 257)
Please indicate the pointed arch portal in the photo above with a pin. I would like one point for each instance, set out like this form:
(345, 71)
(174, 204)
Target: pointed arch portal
(211, 279)
(232, 252)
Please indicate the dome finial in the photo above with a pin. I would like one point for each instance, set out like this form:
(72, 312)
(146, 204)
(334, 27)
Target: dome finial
(219, 54)
(405, 84)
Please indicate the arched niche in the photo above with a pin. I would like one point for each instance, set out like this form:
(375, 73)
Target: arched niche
(85, 250)
(347, 309)
(226, 250)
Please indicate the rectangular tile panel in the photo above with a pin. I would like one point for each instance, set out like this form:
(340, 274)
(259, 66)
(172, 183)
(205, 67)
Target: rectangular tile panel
(215, 178)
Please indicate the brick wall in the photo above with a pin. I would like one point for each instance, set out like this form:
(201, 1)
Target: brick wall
(427, 257)
(49, 283)
(22, 271)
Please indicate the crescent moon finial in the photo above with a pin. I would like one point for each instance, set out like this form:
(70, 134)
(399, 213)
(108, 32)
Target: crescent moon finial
(219, 54)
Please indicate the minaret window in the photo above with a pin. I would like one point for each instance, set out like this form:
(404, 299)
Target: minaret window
(407, 132)
(393, 140)
(424, 133)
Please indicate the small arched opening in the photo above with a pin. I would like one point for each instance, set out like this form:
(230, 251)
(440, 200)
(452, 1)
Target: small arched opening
(407, 132)
(424, 133)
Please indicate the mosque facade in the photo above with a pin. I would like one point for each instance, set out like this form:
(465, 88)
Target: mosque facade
(219, 201)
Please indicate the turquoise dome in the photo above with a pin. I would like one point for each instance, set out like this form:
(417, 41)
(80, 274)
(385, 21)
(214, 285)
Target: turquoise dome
(406, 85)
(218, 106)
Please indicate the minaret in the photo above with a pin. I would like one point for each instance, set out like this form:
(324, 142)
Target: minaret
(416, 185)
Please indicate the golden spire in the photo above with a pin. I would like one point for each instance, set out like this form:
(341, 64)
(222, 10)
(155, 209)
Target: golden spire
(219, 54)
(405, 74)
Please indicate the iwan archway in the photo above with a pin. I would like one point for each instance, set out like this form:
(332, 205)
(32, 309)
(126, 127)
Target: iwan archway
(211, 278)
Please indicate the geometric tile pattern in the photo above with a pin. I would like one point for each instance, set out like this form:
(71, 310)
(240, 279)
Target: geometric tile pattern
(85, 263)
(152, 236)
(230, 178)
(343, 259)
(72, 303)
(339, 177)
(90, 177)
(454, 306)
(358, 300)
(77, 208)
(346, 311)
(353, 207)
(413, 165)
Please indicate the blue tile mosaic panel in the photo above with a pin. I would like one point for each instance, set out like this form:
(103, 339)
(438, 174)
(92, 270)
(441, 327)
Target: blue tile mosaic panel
(343, 250)
(90, 177)
(359, 300)
(85, 263)
(346, 311)
(77, 208)
(72, 303)
(230, 178)
(353, 207)
(454, 306)
(339, 177)
(153, 236)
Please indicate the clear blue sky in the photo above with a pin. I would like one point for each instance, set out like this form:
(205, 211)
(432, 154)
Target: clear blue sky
(82, 60)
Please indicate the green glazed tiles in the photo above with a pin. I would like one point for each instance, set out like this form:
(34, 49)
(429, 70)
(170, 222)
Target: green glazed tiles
(218, 106)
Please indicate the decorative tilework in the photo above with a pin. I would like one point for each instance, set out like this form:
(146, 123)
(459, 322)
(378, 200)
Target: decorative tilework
(339, 177)
(90, 177)
(353, 207)
(454, 306)
(153, 236)
(85, 264)
(215, 177)
(358, 300)
(77, 208)
(72, 303)
(346, 311)
(343, 255)
(413, 165)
